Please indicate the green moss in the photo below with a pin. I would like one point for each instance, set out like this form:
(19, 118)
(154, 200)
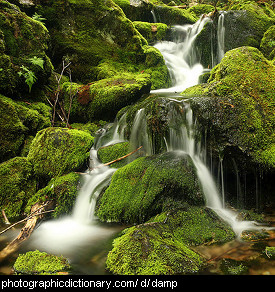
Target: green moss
(62, 191)
(91, 128)
(200, 9)
(239, 97)
(17, 185)
(233, 267)
(151, 250)
(56, 151)
(270, 252)
(268, 43)
(104, 98)
(152, 32)
(18, 121)
(197, 226)
(147, 185)
(110, 153)
(22, 38)
(40, 263)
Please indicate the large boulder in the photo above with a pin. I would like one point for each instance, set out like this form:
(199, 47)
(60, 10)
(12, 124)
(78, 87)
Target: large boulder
(57, 151)
(235, 110)
(23, 41)
(162, 246)
(20, 120)
(147, 185)
(17, 185)
(238, 102)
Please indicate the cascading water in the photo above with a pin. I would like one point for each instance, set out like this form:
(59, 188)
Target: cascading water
(180, 56)
(74, 234)
(220, 36)
(77, 231)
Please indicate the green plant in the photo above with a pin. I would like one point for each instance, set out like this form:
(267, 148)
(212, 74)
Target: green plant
(29, 76)
(38, 17)
(37, 61)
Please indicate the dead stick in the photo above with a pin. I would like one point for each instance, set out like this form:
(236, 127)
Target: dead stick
(116, 160)
(5, 217)
(25, 232)
(23, 220)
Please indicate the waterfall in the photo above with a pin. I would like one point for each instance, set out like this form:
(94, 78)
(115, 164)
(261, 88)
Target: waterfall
(183, 141)
(180, 56)
(73, 234)
(154, 16)
(220, 36)
(80, 229)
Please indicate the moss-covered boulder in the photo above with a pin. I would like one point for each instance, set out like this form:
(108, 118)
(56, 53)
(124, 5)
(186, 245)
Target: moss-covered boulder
(93, 32)
(110, 153)
(152, 32)
(40, 263)
(146, 186)
(17, 185)
(237, 105)
(268, 43)
(104, 98)
(244, 25)
(156, 11)
(19, 120)
(23, 40)
(57, 151)
(61, 190)
(163, 246)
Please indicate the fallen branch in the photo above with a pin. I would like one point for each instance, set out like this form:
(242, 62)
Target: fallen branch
(37, 212)
(5, 218)
(125, 156)
(111, 162)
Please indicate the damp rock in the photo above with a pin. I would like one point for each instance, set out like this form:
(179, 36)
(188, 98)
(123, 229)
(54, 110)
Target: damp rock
(57, 151)
(41, 263)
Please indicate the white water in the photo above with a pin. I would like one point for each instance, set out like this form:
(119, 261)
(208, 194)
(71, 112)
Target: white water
(220, 37)
(183, 141)
(180, 56)
(73, 234)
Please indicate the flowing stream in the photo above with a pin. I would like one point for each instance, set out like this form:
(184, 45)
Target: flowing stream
(73, 234)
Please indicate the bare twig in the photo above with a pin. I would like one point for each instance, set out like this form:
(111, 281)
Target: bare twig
(64, 67)
(5, 217)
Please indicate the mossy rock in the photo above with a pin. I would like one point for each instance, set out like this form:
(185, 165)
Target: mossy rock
(152, 32)
(22, 38)
(19, 120)
(112, 152)
(268, 43)
(40, 263)
(61, 190)
(237, 104)
(244, 26)
(233, 267)
(104, 98)
(93, 32)
(17, 185)
(163, 246)
(270, 252)
(146, 186)
(57, 151)
(151, 250)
